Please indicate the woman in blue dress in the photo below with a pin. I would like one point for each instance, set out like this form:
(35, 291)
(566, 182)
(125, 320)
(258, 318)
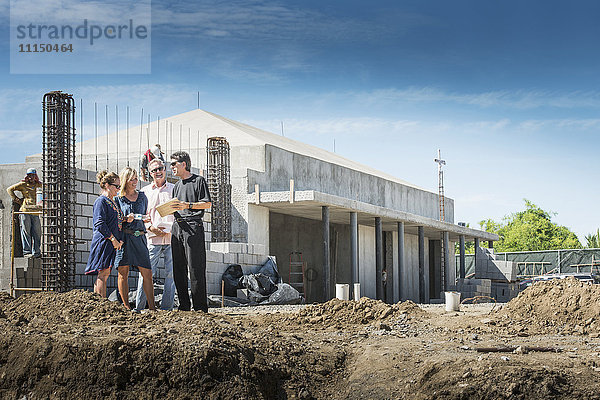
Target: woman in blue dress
(134, 253)
(107, 236)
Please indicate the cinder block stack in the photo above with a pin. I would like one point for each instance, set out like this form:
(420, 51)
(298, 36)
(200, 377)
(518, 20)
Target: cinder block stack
(472, 287)
(28, 272)
(493, 278)
(504, 292)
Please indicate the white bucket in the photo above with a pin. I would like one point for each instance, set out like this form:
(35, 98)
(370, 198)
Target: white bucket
(356, 291)
(342, 291)
(452, 301)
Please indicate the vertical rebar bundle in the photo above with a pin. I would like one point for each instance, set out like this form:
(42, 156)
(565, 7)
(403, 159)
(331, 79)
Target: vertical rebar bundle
(58, 254)
(217, 176)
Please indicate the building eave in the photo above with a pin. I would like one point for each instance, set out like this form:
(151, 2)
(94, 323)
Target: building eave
(308, 203)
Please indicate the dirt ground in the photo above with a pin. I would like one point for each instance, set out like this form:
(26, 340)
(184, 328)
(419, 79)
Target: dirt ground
(545, 344)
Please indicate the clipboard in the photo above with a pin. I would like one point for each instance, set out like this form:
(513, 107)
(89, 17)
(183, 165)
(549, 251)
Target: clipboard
(167, 207)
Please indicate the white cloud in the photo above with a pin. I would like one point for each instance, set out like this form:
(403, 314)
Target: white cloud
(535, 125)
(366, 126)
(12, 137)
(254, 20)
(75, 11)
(518, 99)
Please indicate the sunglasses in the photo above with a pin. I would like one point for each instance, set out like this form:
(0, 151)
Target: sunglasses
(117, 186)
(174, 162)
(157, 169)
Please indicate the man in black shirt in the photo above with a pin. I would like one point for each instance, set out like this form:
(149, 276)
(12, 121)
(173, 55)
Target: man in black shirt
(187, 234)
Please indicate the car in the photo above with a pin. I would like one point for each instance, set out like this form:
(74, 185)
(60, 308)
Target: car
(584, 277)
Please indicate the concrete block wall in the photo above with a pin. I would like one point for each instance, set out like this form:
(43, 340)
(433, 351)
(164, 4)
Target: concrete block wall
(488, 267)
(222, 254)
(87, 192)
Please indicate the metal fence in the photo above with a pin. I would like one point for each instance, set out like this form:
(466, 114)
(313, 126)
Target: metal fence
(533, 263)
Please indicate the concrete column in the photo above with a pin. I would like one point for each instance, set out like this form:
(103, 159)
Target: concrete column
(447, 273)
(258, 225)
(353, 252)
(476, 240)
(461, 269)
(421, 264)
(400, 266)
(326, 256)
(379, 258)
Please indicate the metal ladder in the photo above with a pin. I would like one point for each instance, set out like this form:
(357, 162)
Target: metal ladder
(296, 277)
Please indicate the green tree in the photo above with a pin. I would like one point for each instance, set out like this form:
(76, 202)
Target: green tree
(530, 230)
(593, 240)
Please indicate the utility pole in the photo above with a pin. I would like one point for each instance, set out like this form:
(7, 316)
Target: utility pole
(441, 197)
(442, 216)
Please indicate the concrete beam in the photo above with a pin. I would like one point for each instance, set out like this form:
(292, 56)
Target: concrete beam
(379, 258)
(307, 202)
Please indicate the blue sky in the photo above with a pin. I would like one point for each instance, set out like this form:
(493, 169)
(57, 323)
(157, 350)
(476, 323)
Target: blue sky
(509, 91)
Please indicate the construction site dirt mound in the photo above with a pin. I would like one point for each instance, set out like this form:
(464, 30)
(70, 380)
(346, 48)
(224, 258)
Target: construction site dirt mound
(73, 307)
(78, 345)
(566, 306)
(490, 380)
(365, 311)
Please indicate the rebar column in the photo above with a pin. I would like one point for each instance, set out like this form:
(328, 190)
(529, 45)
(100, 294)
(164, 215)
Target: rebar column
(218, 167)
(58, 168)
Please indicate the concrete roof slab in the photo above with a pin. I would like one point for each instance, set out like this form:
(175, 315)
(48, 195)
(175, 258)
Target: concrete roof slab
(308, 203)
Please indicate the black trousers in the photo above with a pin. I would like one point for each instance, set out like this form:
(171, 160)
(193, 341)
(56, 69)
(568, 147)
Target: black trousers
(189, 254)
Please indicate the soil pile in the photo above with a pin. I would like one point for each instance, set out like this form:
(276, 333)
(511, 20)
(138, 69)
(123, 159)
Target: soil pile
(488, 380)
(558, 306)
(76, 344)
(75, 306)
(364, 311)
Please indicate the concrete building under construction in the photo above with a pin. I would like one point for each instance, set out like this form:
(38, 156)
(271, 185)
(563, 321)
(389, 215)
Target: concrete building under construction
(342, 221)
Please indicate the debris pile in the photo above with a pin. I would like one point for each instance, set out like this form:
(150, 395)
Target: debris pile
(566, 306)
